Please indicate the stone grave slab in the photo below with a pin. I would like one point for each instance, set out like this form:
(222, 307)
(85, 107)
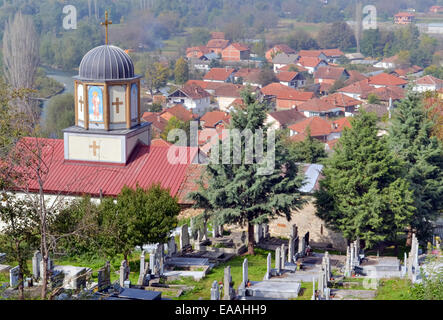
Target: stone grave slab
(138, 294)
(274, 289)
(340, 294)
(4, 268)
(73, 277)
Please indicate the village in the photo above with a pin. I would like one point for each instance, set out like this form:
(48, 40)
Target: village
(331, 110)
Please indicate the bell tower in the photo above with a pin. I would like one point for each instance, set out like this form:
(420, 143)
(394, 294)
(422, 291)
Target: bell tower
(107, 108)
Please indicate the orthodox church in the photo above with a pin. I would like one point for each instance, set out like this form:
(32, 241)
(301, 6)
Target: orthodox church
(109, 146)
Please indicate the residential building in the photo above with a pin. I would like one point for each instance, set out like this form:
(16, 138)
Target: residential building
(235, 52)
(278, 48)
(291, 79)
(427, 83)
(311, 63)
(220, 75)
(404, 18)
(388, 63)
(285, 97)
(317, 107)
(282, 60)
(329, 74)
(349, 105)
(284, 118)
(193, 97)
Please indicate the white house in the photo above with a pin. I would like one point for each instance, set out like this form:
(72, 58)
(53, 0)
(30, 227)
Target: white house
(427, 83)
(193, 97)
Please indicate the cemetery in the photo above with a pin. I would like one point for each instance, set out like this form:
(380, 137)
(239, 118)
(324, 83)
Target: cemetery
(199, 267)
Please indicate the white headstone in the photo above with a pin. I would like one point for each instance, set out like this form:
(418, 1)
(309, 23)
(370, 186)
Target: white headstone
(215, 291)
(13, 276)
(245, 272)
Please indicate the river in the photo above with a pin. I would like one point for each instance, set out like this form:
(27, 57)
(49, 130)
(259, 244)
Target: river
(64, 77)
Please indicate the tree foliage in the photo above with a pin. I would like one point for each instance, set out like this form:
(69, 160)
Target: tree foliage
(422, 155)
(156, 76)
(338, 35)
(247, 192)
(363, 193)
(60, 114)
(181, 71)
(310, 150)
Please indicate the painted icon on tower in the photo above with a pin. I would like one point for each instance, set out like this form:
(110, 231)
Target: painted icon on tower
(95, 104)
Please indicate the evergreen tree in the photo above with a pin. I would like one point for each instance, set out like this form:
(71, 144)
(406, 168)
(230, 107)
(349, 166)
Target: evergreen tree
(310, 150)
(240, 191)
(362, 193)
(411, 139)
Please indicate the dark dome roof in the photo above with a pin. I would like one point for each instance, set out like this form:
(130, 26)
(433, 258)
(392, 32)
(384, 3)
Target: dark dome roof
(106, 63)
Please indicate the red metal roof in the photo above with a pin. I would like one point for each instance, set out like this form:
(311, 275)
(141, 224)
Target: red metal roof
(146, 166)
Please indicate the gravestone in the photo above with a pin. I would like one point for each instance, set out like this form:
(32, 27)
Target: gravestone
(13, 276)
(313, 297)
(36, 259)
(50, 267)
(220, 230)
(294, 231)
(199, 235)
(124, 273)
(172, 248)
(215, 233)
(152, 262)
(215, 291)
(104, 277)
(243, 237)
(321, 285)
(184, 237)
(283, 255)
(301, 246)
(229, 292)
(265, 232)
(277, 260)
(142, 262)
(245, 272)
(258, 229)
(268, 267)
(291, 249)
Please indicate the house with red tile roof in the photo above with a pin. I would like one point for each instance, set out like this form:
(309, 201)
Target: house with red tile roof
(285, 97)
(349, 105)
(317, 107)
(386, 80)
(320, 128)
(284, 118)
(158, 123)
(385, 94)
(436, 9)
(413, 71)
(282, 60)
(356, 89)
(278, 48)
(160, 143)
(249, 76)
(292, 68)
(220, 75)
(192, 96)
(354, 76)
(235, 52)
(291, 79)
(329, 74)
(311, 63)
(208, 86)
(404, 18)
(215, 119)
(217, 45)
(388, 63)
(225, 95)
(197, 52)
(328, 55)
(427, 83)
(178, 111)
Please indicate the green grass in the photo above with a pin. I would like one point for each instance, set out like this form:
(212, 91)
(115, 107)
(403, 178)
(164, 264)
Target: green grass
(202, 288)
(394, 289)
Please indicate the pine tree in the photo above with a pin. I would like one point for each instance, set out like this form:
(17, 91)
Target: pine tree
(242, 193)
(363, 194)
(310, 150)
(411, 139)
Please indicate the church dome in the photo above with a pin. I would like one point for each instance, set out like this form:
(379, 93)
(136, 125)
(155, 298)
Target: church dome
(106, 63)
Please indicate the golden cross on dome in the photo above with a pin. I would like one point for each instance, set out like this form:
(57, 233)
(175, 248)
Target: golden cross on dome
(106, 24)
